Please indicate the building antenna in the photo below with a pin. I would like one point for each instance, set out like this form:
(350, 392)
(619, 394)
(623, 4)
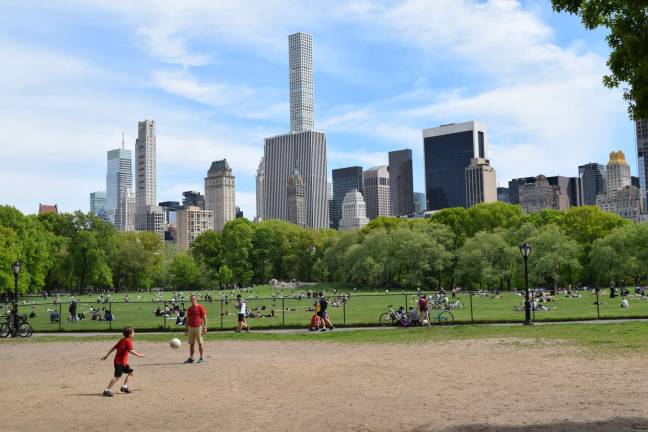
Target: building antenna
(122, 140)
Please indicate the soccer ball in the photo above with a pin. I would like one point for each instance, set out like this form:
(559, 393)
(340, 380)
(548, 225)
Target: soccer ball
(425, 322)
(175, 343)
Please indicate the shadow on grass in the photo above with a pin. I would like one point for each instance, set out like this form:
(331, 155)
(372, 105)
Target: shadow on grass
(618, 424)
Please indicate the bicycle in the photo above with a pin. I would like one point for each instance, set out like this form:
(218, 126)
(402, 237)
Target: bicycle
(392, 317)
(7, 328)
(456, 304)
(442, 318)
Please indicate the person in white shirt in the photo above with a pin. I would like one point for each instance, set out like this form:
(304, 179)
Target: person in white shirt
(625, 304)
(241, 306)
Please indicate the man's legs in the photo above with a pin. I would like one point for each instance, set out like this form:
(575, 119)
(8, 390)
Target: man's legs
(191, 349)
(200, 349)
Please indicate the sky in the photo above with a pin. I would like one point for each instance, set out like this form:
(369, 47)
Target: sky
(214, 76)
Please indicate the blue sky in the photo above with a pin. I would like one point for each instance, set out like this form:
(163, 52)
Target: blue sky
(213, 74)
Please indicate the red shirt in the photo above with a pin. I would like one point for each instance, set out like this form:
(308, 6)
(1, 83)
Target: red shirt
(422, 305)
(195, 314)
(123, 347)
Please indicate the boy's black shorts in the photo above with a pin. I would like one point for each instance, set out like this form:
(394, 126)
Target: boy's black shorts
(122, 369)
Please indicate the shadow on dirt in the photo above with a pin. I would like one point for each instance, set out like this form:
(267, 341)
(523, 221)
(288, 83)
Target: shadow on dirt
(618, 424)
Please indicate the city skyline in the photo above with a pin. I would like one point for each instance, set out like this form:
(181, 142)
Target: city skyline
(198, 87)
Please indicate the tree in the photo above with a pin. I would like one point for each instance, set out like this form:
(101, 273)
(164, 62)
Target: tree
(627, 22)
(489, 258)
(183, 273)
(554, 256)
(237, 249)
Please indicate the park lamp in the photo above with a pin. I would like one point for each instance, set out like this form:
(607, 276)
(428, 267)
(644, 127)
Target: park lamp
(525, 250)
(15, 267)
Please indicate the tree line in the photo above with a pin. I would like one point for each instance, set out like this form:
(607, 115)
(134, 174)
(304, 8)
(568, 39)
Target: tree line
(456, 247)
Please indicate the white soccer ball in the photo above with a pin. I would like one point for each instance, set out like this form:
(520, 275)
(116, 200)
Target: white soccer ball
(425, 322)
(175, 343)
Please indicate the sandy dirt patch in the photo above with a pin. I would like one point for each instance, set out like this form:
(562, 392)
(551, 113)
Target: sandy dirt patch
(485, 385)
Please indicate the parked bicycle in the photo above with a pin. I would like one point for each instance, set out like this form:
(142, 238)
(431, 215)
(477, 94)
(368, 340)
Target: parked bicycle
(7, 327)
(444, 317)
(393, 317)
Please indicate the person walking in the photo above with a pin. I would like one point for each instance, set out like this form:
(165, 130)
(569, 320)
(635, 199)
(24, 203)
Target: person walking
(424, 314)
(323, 314)
(242, 309)
(195, 328)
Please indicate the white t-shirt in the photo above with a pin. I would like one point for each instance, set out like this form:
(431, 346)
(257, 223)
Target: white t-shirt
(242, 307)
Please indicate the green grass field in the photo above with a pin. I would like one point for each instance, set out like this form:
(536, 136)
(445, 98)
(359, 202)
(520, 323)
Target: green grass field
(363, 309)
(599, 337)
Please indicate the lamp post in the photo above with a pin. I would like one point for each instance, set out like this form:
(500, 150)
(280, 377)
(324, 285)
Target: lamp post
(525, 250)
(15, 267)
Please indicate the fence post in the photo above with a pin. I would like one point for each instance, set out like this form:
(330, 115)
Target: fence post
(163, 317)
(405, 294)
(111, 315)
(472, 319)
(598, 306)
(222, 313)
(344, 312)
(283, 311)
(60, 315)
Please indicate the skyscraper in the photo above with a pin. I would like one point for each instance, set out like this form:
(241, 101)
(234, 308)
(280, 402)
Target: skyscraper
(592, 178)
(260, 185)
(481, 185)
(376, 192)
(419, 202)
(296, 200)
(303, 146)
(354, 211)
(191, 222)
(119, 180)
(620, 196)
(97, 202)
(569, 186)
(344, 180)
(302, 99)
(541, 195)
(193, 198)
(220, 193)
(448, 150)
(503, 194)
(148, 216)
(145, 165)
(401, 182)
(642, 156)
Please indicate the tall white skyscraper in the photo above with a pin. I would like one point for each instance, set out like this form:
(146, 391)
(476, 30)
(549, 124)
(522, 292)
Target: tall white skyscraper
(302, 147)
(119, 180)
(377, 192)
(302, 100)
(148, 217)
(260, 187)
(220, 194)
(354, 211)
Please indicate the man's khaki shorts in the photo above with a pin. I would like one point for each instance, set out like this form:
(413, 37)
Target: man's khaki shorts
(195, 334)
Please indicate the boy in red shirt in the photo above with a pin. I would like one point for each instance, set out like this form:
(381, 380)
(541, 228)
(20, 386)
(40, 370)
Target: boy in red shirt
(123, 348)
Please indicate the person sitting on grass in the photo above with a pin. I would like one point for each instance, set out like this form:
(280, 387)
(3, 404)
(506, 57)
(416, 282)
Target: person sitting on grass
(54, 316)
(413, 316)
(625, 304)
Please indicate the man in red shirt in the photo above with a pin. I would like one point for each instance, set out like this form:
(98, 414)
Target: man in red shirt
(195, 328)
(123, 348)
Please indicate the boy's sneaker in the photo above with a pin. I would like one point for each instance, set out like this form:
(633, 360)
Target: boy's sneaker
(247, 330)
(124, 390)
(332, 328)
(201, 360)
(108, 393)
(189, 360)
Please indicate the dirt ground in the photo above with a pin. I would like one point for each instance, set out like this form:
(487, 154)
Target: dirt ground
(492, 385)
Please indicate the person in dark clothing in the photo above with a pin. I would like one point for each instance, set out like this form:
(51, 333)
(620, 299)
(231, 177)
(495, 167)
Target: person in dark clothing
(323, 314)
(73, 311)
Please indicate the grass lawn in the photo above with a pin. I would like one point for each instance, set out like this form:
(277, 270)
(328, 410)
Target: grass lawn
(600, 337)
(363, 309)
